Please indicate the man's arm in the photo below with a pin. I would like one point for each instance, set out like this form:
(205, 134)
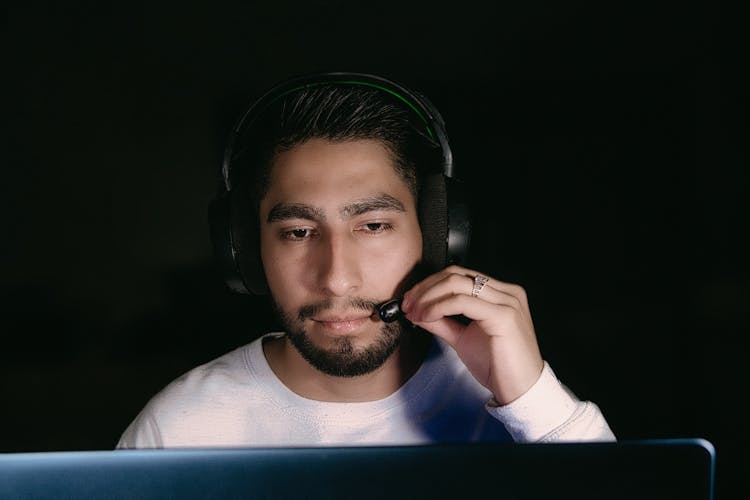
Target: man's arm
(549, 412)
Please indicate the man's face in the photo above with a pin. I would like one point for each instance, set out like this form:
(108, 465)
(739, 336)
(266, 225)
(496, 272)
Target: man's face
(339, 234)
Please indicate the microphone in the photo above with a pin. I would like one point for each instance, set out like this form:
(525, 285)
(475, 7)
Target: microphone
(390, 311)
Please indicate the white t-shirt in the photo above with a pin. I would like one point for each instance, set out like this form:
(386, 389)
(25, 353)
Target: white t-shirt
(237, 400)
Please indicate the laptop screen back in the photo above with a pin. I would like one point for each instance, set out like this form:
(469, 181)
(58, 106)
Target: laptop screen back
(638, 470)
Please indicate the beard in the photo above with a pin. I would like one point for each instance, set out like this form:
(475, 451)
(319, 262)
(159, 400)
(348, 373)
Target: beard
(343, 359)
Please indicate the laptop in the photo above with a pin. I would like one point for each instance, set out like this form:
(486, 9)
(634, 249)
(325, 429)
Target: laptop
(651, 469)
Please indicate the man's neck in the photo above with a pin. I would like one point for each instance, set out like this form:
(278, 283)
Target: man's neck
(309, 382)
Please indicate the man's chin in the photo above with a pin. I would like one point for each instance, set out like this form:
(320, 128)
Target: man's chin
(344, 355)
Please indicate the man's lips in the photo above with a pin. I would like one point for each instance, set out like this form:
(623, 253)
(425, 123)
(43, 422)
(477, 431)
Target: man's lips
(342, 324)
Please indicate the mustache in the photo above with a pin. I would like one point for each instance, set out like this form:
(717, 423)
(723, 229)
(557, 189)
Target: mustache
(361, 303)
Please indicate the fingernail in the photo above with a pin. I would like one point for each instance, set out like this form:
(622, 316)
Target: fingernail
(405, 303)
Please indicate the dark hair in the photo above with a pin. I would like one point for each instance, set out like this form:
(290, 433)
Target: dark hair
(337, 112)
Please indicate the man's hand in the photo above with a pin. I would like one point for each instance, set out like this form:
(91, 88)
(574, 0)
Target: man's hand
(498, 346)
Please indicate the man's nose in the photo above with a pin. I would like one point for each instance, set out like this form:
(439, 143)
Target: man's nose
(339, 268)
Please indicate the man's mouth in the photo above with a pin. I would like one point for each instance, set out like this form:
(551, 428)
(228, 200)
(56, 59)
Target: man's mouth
(341, 324)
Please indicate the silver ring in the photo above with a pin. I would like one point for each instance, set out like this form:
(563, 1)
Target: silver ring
(479, 282)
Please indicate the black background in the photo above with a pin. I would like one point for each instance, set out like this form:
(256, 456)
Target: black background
(604, 142)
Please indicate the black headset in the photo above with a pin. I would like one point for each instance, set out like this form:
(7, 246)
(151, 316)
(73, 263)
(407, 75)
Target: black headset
(443, 209)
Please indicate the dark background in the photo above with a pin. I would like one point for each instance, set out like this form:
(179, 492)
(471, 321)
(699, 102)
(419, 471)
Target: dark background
(605, 143)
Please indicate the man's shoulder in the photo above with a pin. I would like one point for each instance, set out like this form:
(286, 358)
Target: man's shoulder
(215, 380)
(208, 405)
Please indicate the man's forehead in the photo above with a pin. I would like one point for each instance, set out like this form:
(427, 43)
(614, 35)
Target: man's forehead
(317, 157)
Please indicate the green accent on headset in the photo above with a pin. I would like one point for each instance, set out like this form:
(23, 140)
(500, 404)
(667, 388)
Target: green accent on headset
(367, 84)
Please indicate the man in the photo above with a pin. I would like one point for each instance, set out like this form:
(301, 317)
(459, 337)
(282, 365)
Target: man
(330, 182)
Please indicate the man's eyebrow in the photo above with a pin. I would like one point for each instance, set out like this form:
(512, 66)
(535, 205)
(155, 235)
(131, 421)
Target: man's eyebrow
(286, 211)
(371, 204)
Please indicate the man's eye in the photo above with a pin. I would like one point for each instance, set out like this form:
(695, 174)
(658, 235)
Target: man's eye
(377, 227)
(296, 234)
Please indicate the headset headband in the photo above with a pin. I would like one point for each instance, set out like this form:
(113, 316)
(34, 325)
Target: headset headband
(426, 112)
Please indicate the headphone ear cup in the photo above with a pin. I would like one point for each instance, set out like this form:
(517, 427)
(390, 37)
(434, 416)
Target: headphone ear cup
(433, 220)
(245, 232)
(219, 221)
(459, 222)
(235, 238)
(445, 220)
